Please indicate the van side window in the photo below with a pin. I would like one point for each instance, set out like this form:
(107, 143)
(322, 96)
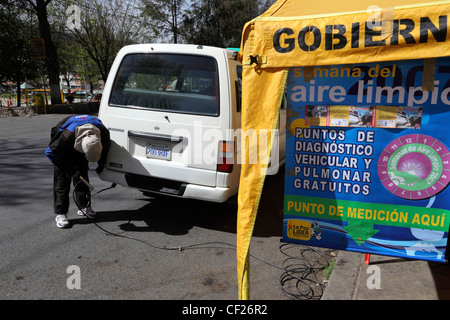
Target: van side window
(168, 82)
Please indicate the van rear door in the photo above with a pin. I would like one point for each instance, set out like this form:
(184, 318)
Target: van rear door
(166, 113)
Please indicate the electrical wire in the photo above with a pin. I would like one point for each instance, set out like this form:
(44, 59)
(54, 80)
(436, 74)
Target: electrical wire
(299, 278)
(179, 248)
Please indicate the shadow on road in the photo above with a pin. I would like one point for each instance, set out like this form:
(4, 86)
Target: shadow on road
(175, 216)
(441, 276)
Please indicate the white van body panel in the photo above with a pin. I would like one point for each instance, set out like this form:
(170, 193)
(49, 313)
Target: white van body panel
(173, 152)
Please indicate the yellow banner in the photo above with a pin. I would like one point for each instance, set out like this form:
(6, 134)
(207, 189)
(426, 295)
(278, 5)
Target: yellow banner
(351, 37)
(293, 34)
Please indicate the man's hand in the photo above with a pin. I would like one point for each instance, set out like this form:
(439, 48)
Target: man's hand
(76, 174)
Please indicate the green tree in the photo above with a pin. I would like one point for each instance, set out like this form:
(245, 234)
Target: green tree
(15, 52)
(219, 22)
(104, 28)
(51, 60)
(72, 56)
(164, 16)
(69, 55)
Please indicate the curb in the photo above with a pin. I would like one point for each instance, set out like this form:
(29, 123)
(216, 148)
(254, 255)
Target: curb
(343, 279)
(67, 108)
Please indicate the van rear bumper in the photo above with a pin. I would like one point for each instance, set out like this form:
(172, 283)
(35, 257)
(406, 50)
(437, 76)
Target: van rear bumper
(167, 187)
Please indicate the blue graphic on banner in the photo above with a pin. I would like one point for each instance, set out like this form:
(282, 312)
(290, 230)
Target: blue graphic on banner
(367, 158)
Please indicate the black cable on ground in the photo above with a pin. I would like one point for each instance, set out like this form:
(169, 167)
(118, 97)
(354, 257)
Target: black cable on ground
(299, 278)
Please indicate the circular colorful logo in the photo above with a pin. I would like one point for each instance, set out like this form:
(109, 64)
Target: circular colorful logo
(415, 166)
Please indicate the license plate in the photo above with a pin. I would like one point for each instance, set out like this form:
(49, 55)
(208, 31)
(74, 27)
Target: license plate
(158, 151)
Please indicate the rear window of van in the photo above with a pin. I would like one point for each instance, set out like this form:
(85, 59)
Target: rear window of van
(167, 82)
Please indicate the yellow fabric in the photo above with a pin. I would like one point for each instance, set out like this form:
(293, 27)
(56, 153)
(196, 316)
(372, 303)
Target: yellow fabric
(265, 27)
(310, 8)
(261, 115)
(265, 68)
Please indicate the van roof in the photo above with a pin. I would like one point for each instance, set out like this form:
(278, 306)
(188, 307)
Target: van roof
(161, 47)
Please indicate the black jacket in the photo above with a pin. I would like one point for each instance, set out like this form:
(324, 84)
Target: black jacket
(61, 151)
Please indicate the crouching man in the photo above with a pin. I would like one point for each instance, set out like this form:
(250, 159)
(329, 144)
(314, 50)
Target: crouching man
(75, 141)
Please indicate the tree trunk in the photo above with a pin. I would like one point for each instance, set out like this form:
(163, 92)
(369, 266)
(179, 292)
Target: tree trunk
(51, 60)
(18, 91)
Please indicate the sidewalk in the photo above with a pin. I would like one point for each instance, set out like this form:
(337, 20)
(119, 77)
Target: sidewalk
(399, 279)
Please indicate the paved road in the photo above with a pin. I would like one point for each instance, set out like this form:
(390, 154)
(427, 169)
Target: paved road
(36, 257)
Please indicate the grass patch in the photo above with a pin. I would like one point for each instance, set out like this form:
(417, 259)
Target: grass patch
(326, 272)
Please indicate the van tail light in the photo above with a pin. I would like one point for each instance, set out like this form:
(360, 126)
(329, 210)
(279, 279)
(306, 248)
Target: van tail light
(226, 156)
